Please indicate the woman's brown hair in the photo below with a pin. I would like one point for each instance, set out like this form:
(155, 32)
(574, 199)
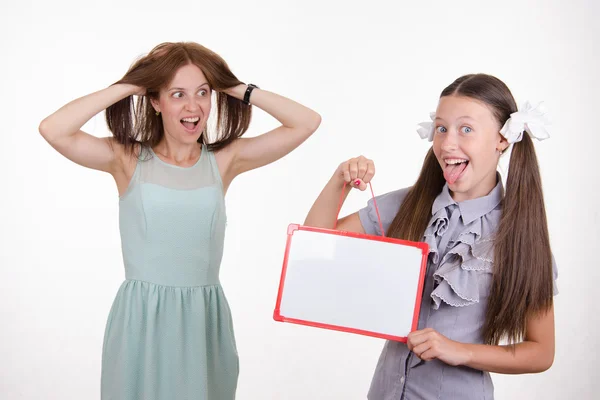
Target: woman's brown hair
(522, 281)
(132, 125)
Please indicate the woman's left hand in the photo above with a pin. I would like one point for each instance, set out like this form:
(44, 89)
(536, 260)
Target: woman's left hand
(428, 344)
(237, 91)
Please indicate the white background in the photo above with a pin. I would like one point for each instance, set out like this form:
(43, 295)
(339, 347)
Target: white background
(373, 71)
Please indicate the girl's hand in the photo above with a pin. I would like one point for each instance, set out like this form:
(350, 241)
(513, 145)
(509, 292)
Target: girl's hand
(358, 172)
(428, 344)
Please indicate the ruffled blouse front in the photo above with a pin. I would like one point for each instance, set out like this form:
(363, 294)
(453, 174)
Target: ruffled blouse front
(460, 239)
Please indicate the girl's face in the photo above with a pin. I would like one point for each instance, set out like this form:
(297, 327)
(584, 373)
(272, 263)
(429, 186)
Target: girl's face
(185, 104)
(467, 144)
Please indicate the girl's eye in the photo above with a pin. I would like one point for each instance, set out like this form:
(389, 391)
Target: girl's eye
(466, 129)
(440, 129)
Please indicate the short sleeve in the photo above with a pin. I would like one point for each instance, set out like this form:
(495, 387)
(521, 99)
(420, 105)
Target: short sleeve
(388, 205)
(554, 276)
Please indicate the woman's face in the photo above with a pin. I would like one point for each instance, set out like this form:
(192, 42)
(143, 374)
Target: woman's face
(185, 104)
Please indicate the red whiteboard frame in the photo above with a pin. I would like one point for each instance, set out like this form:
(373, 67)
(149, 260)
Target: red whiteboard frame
(295, 227)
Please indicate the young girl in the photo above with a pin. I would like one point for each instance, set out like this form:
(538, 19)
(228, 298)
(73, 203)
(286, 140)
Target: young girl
(169, 333)
(490, 270)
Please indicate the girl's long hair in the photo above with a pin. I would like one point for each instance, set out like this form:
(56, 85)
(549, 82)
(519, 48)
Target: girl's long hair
(522, 280)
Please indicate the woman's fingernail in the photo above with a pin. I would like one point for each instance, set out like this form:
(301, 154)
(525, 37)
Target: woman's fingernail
(357, 182)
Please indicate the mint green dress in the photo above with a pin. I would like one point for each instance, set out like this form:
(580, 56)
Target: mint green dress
(169, 333)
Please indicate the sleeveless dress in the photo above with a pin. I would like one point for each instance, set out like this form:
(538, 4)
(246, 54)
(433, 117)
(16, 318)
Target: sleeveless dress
(169, 333)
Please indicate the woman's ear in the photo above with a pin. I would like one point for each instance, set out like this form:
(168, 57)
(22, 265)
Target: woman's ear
(155, 104)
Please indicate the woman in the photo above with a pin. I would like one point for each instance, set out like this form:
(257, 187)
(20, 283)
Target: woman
(169, 333)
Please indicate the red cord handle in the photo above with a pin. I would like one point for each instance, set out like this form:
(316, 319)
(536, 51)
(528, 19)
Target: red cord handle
(374, 203)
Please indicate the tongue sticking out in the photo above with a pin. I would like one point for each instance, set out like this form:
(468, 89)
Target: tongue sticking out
(452, 172)
(189, 125)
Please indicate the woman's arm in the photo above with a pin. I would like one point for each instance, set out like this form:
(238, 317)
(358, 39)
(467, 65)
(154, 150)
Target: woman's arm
(297, 124)
(62, 129)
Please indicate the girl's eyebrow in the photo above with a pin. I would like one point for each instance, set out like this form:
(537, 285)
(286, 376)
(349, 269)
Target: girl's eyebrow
(463, 117)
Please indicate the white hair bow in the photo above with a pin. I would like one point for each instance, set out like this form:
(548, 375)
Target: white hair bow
(530, 119)
(426, 129)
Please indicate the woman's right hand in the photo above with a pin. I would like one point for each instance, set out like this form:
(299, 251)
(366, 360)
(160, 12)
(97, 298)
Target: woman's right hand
(358, 172)
(134, 90)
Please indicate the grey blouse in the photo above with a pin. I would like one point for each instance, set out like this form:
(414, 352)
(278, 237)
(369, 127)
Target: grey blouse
(459, 274)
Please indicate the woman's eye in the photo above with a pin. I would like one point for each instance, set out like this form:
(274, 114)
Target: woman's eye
(466, 129)
(440, 129)
(203, 92)
(177, 95)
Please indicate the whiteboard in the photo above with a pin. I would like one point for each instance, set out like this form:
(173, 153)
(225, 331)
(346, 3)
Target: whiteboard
(351, 282)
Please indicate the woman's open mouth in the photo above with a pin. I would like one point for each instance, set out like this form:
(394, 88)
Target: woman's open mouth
(190, 124)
